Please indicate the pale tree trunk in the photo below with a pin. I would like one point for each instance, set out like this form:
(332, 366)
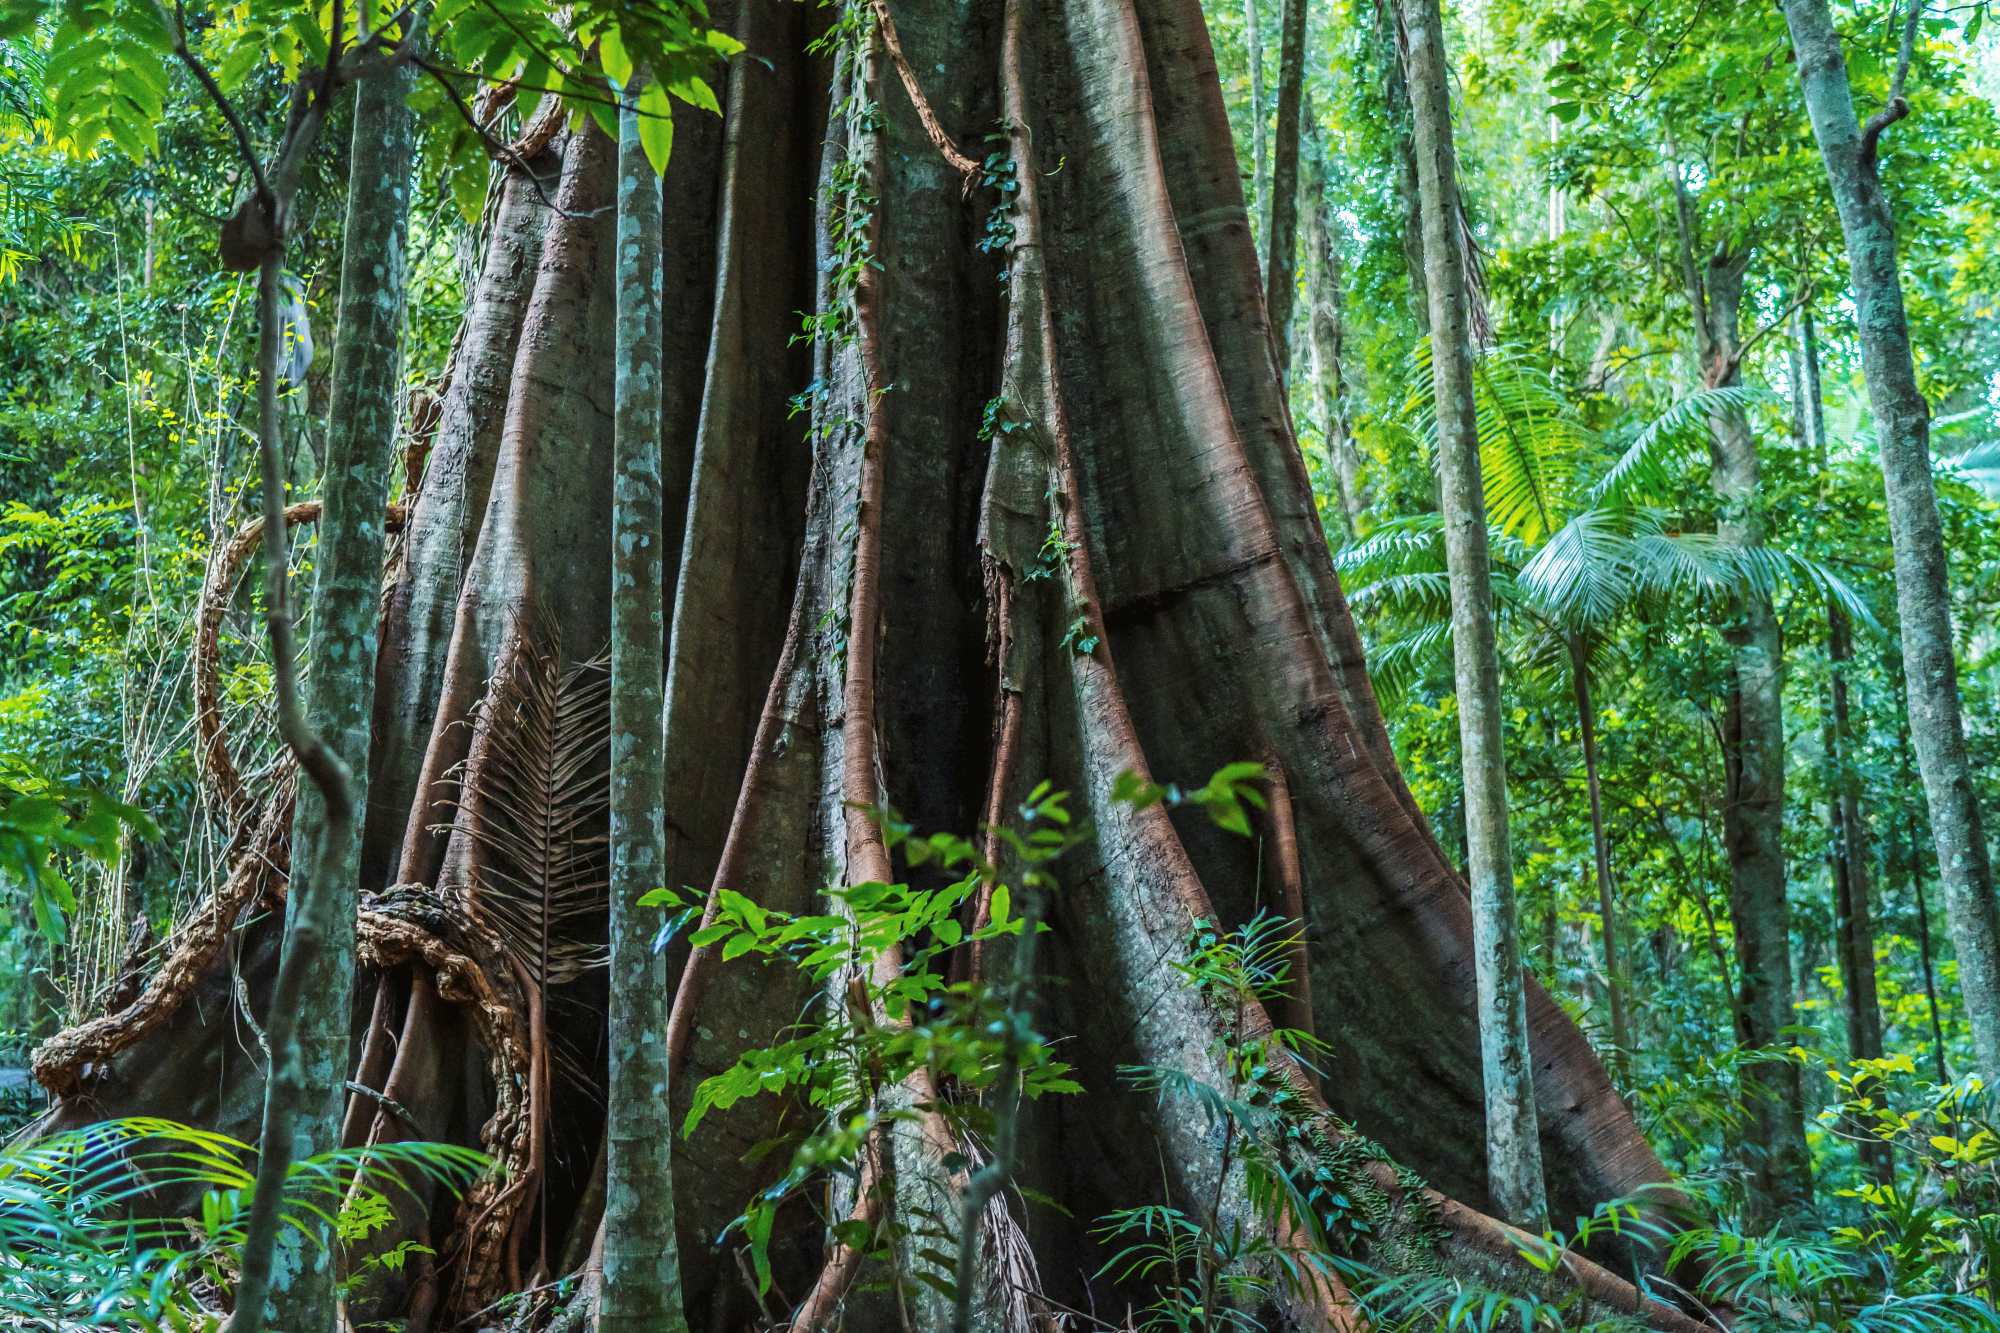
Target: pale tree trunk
(1902, 429)
(862, 608)
(1913, 878)
(1281, 254)
(1390, 47)
(1753, 746)
(642, 1287)
(1513, 1145)
(339, 698)
(1327, 326)
(1600, 845)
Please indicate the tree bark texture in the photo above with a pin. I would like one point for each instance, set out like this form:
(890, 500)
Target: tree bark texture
(862, 604)
(642, 1287)
(1281, 253)
(1513, 1143)
(1260, 153)
(1923, 591)
(1752, 735)
(1600, 846)
(362, 419)
(1327, 327)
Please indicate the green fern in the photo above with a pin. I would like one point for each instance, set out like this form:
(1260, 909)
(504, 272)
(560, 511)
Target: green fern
(81, 1248)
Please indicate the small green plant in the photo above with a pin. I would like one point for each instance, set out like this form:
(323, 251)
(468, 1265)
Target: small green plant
(869, 1036)
(1209, 1270)
(77, 1247)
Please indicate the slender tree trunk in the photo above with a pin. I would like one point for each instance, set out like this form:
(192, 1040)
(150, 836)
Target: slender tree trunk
(1854, 927)
(1513, 1146)
(1323, 278)
(1281, 254)
(1260, 181)
(1753, 745)
(339, 684)
(1906, 847)
(1391, 56)
(1902, 428)
(642, 1283)
(1607, 901)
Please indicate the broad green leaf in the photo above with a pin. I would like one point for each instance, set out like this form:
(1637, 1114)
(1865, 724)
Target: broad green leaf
(656, 126)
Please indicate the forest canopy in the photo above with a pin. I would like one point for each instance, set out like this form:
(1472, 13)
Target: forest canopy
(1039, 665)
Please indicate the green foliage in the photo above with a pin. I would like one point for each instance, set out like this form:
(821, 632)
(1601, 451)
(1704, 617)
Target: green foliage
(870, 1034)
(81, 1250)
(1212, 1268)
(42, 818)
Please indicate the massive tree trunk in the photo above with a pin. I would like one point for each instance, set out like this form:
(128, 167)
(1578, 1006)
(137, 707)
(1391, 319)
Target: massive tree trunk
(1902, 428)
(865, 607)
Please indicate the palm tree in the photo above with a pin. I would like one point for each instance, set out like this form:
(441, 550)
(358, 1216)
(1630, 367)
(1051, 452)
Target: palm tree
(1571, 556)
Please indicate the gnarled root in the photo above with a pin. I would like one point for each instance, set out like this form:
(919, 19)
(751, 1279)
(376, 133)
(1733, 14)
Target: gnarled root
(409, 924)
(61, 1062)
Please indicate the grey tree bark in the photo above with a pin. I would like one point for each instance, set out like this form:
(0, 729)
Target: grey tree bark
(1260, 181)
(1328, 334)
(1513, 1145)
(1848, 857)
(1389, 41)
(1600, 845)
(1753, 741)
(641, 1261)
(1902, 429)
(1281, 252)
(362, 418)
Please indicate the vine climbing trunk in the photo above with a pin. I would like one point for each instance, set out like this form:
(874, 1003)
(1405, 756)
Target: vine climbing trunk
(1851, 153)
(1513, 1142)
(641, 1263)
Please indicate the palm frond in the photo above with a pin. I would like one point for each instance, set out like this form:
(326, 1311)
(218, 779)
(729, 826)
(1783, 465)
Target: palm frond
(1978, 467)
(1531, 441)
(1583, 575)
(533, 807)
(78, 1249)
(1394, 667)
(1646, 465)
(1769, 568)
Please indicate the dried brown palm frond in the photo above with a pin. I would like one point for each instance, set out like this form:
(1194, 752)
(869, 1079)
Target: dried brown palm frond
(528, 841)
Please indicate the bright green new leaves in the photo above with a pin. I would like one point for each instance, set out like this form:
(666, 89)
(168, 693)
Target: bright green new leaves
(107, 76)
(112, 69)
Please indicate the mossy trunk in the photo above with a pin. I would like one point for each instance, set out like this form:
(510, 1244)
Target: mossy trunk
(1923, 592)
